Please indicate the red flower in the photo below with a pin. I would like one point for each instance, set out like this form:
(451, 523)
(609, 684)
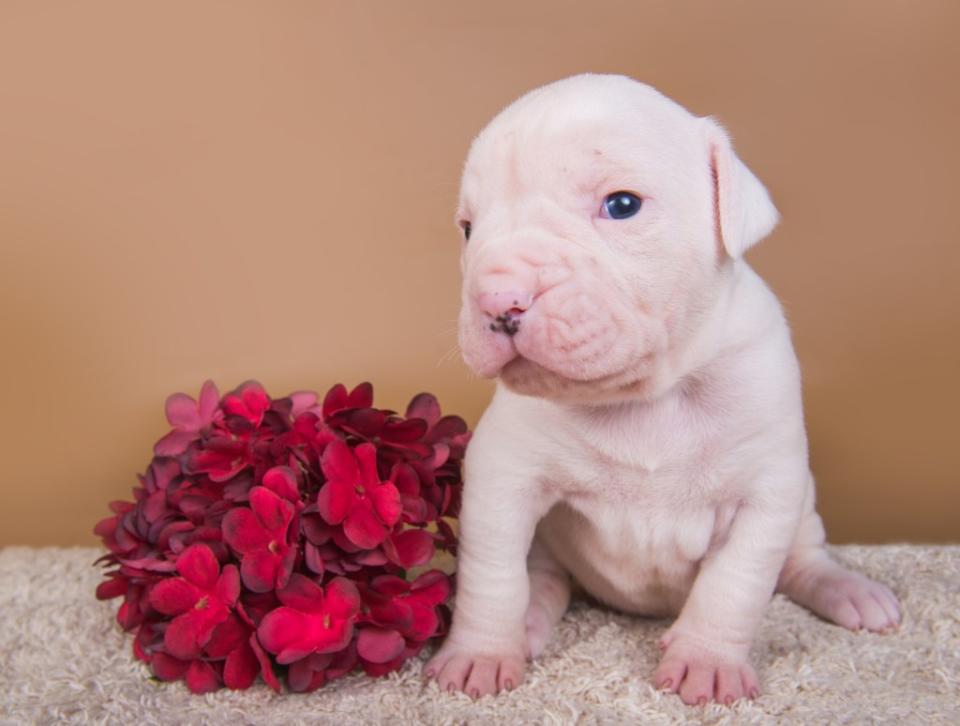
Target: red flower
(200, 600)
(311, 621)
(188, 418)
(355, 495)
(231, 558)
(260, 535)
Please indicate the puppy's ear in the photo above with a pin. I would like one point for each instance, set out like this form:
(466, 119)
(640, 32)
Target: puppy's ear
(743, 211)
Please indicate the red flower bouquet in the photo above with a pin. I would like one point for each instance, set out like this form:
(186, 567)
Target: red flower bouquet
(272, 537)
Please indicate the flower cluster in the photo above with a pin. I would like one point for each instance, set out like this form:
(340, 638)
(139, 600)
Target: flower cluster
(273, 537)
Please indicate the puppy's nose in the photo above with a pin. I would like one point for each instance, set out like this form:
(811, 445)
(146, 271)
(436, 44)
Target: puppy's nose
(498, 303)
(506, 308)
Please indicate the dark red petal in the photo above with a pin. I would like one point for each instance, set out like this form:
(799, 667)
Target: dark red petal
(386, 502)
(339, 463)
(201, 678)
(343, 599)
(182, 412)
(367, 458)
(227, 637)
(266, 666)
(174, 595)
(282, 628)
(199, 565)
(405, 479)
(114, 587)
(335, 400)
(180, 639)
(283, 482)
(425, 622)
(311, 557)
(432, 587)
(174, 443)
(334, 500)
(272, 511)
(241, 668)
(404, 432)
(167, 668)
(228, 586)
(410, 548)
(259, 570)
(390, 585)
(302, 593)
(378, 645)
(299, 675)
(362, 527)
(361, 396)
(425, 406)
(243, 531)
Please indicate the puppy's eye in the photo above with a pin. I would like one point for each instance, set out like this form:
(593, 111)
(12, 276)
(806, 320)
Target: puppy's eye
(467, 229)
(620, 205)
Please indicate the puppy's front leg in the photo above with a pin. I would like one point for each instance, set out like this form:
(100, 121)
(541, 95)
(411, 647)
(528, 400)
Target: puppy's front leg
(486, 649)
(706, 649)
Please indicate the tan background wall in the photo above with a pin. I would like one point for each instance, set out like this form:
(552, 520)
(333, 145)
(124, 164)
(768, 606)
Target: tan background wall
(234, 190)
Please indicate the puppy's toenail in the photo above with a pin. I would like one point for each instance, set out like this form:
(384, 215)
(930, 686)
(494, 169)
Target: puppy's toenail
(702, 701)
(508, 684)
(754, 692)
(666, 685)
(474, 694)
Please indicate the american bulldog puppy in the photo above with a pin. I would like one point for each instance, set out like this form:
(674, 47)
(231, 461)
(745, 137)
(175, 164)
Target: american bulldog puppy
(646, 438)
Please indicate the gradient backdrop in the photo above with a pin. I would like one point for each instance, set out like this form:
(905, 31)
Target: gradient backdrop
(236, 190)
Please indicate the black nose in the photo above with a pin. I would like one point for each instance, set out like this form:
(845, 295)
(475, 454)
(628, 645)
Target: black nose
(508, 322)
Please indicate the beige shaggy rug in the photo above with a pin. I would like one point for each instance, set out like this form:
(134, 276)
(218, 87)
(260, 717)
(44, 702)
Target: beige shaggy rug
(63, 659)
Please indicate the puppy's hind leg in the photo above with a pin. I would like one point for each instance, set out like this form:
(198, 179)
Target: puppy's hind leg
(549, 596)
(810, 578)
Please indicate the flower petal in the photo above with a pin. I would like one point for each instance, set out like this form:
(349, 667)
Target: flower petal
(167, 668)
(174, 595)
(201, 678)
(339, 463)
(386, 502)
(302, 678)
(242, 531)
(199, 566)
(180, 638)
(228, 586)
(302, 400)
(241, 668)
(334, 500)
(259, 570)
(379, 645)
(283, 482)
(343, 598)
(362, 527)
(425, 406)
(272, 511)
(367, 457)
(409, 548)
(182, 412)
(226, 637)
(302, 593)
(361, 396)
(266, 666)
(174, 443)
(209, 400)
(281, 628)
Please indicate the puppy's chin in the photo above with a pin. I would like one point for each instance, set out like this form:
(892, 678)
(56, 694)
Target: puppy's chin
(528, 378)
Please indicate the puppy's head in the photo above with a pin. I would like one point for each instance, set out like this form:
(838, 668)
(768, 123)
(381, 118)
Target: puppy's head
(599, 222)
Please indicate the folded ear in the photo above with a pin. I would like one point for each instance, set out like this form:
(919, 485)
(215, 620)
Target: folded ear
(742, 207)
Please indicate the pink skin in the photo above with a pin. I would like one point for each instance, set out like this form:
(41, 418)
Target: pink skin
(647, 384)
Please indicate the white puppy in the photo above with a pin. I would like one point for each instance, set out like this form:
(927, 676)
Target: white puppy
(646, 439)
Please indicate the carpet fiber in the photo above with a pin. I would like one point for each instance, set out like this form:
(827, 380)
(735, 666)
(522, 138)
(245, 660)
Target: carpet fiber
(63, 659)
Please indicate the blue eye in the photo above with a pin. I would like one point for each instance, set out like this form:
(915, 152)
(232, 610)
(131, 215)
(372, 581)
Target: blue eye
(621, 205)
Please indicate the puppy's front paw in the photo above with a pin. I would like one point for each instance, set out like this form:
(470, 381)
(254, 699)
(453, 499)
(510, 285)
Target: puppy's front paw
(457, 668)
(699, 673)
